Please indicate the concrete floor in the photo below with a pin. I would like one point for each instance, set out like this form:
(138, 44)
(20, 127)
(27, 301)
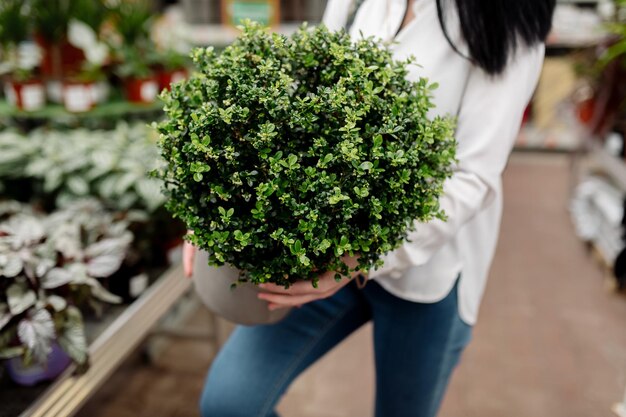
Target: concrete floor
(551, 338)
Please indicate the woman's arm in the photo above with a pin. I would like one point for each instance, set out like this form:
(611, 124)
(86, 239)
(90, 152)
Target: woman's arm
(488, 123)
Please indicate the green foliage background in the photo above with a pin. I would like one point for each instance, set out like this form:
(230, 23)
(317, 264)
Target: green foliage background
(285, 153)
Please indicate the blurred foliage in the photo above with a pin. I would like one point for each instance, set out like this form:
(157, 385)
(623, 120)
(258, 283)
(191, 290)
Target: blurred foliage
(14, 23)
(111, 165)
(50, 269)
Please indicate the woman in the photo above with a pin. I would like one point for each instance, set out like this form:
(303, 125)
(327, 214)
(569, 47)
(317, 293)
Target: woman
(486, 57)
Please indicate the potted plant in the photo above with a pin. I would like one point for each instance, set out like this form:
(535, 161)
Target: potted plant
(51, 19)
(51, 267)
(140, 82)
(24, 90)
(53, 168)
(171, 67)
(134, 51)
(284, 154)
(83, 90)
(86, 32)
(19, 59)
(172, 51)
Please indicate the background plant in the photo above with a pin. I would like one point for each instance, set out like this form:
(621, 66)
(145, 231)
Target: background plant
(135, 50)
(172, 44)
(50, 267)
(15, 28)
(51, 18)
(133, 62)
(286, 153)
(112, 165)
(14, 24)
(132, 21)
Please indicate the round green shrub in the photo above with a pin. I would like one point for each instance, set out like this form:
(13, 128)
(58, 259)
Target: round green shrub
(285, 153)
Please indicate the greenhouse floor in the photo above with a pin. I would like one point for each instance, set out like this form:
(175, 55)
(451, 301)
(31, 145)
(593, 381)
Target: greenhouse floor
(551, 338)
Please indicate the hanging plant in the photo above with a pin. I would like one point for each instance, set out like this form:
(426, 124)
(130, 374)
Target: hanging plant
(286, 153)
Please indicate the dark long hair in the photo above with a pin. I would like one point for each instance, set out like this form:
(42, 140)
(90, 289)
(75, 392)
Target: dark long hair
(493, 29)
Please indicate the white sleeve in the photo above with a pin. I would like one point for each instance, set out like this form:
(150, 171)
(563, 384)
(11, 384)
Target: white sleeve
(488, 123)
(336, 14)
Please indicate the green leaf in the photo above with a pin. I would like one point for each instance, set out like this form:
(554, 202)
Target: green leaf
(323, 245)
(56, 302)
(36, 332)
(72, 336)
(366, 166)
(11, 352)
(11, 265)
(78, 185)
(99, 292)
(5, 315)
(56, 277)
(20, 298)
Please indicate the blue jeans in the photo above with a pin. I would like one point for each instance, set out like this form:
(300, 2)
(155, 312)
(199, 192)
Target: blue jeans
(416, 348)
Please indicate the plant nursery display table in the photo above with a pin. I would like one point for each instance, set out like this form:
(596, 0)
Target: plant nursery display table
(112, 340)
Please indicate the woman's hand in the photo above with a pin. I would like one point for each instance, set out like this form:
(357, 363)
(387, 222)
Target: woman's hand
(303, 292)
(189, 253)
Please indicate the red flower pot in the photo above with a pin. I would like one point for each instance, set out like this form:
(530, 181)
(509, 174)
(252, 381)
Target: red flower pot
(168, 77)
(78, 96)
(25, 95)
(142, 90)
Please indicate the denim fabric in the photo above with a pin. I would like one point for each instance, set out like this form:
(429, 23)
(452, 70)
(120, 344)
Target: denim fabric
(416, 348)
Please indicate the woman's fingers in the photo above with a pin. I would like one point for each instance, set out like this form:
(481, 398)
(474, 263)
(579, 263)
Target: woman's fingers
(189, 253)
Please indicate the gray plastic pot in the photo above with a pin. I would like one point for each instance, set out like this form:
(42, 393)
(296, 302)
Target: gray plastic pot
(239, 305)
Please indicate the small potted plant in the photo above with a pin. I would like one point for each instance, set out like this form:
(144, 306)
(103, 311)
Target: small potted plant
(83, 90)
(140, 82)
(50, 20)
(172, 46)
(171, 67)
(50, 268)
(134, 50)
(19, 59)
(86, 31)
(284, 154)
(24, 90)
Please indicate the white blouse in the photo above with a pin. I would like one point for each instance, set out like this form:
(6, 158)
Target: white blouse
(489, 111)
